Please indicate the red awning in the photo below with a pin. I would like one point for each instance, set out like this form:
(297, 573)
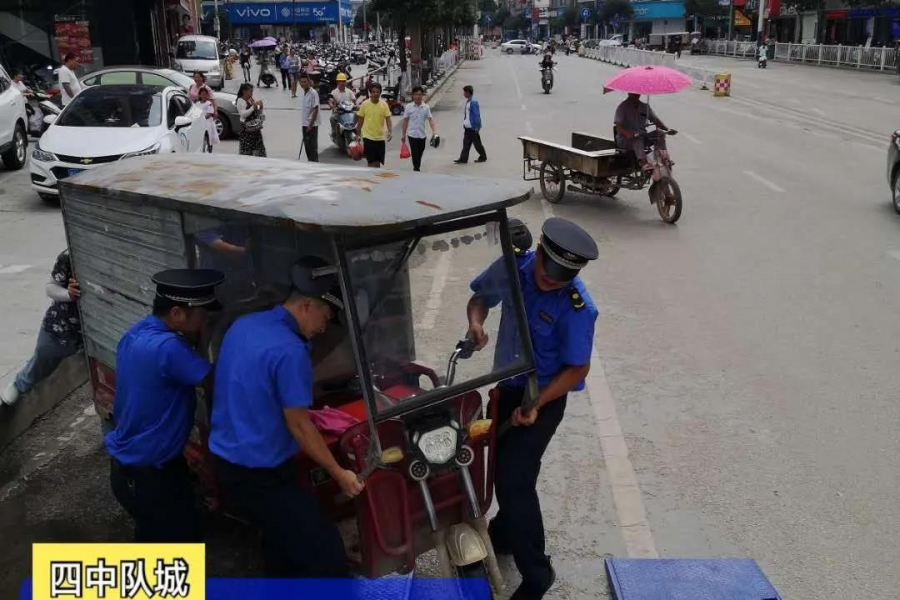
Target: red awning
(774, 7)
(836, 15)
(739, 2)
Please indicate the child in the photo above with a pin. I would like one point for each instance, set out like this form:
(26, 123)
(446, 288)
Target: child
(209, 110)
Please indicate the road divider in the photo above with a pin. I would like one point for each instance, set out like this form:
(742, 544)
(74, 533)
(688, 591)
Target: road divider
(633, 57)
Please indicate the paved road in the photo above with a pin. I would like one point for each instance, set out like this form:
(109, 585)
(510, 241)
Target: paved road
(745, 356)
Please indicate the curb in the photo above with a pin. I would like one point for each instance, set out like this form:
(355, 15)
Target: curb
(432, 92)
(14, 421)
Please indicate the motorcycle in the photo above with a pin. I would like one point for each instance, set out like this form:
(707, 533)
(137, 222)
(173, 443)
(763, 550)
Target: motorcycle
(546, 78)
(762, 58)
(265, 72)
(343, 126)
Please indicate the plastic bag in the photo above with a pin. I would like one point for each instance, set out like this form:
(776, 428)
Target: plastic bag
(404, 150)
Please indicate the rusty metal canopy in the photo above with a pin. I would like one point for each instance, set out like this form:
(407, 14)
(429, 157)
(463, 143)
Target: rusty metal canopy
(332, 198)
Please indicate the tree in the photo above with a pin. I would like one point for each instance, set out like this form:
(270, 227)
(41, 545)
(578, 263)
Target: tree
(569, 18)
(613, 8)
(487, 7)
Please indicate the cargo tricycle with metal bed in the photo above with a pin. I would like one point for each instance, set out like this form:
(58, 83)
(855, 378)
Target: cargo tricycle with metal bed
(424, 436)
(595, 165)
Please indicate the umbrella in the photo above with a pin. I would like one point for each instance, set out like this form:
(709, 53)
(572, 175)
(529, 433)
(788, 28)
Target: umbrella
(648, 80)
(264, 44)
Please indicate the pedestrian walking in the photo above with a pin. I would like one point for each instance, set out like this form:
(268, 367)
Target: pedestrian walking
(59, 336)
(68, 81)
(209, 111)
(250, 141)
(199, 83)
(294, 66)
(471, 128)
(374, 117)
(284, 65)
(561, 317)
(246, 56)
(415, 114)
(260, 421)
(310, 119)
(157, 371)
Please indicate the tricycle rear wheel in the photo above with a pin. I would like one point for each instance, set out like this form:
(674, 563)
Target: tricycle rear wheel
(553, 182)
(667, 197)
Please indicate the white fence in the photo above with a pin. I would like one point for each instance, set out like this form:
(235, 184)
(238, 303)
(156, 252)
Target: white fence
(630, 57)
(857, 57)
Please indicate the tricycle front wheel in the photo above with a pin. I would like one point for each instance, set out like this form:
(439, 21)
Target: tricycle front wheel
(553, 182)
(666, 194)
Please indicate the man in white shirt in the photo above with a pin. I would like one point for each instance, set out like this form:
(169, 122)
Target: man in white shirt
(415, 115)
(19, 84)
(68, 81)
(310, 118)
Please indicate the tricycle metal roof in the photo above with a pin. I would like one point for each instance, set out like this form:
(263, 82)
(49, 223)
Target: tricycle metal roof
(330, 198)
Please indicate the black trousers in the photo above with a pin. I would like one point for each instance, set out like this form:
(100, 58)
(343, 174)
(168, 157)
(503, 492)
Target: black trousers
(285, 78)
(160, 500)
(471, 137)
(298, 538)
(518, 527)
(311, 143)
(416, 150)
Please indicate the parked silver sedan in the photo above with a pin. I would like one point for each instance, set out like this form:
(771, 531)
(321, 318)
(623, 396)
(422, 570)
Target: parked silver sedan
(228, 121)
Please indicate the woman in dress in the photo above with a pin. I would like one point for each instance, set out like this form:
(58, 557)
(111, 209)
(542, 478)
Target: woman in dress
(294, 69)
(209, 111)
(250, 110)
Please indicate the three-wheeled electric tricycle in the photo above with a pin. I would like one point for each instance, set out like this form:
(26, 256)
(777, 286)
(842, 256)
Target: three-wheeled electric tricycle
(406, 249)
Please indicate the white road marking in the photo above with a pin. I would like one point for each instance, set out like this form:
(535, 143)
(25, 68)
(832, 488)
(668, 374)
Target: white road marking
(13, 269)
(819, 111)
(524, 108)
(626, 490)
(515, 81)
(441, 269)
(894, 254)
(772, 186)
(692, 138)
(528, 127)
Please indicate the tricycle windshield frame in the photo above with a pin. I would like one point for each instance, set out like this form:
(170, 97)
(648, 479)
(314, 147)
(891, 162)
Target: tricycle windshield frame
(347, 248)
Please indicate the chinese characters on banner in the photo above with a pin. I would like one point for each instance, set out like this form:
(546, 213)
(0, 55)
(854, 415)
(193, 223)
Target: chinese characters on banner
(110, 571)
(75, 37)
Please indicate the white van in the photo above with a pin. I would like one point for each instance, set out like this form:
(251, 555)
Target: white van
(200, 53)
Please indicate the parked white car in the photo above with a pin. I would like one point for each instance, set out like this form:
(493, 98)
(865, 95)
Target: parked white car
(13, 124)
(615, 40)
(513, 46)
(107, 123)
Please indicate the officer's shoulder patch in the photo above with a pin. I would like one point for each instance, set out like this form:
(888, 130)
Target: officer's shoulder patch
(576, 298)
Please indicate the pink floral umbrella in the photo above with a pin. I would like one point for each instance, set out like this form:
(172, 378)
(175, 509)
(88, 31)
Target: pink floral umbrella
(648, 80)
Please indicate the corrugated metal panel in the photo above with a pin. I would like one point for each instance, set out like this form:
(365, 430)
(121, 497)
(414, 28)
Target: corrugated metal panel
(303, 195)
(116, 247)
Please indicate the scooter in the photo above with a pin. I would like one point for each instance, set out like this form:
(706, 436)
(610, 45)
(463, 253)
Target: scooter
(343, 125)
(762, 59)
(546, 78)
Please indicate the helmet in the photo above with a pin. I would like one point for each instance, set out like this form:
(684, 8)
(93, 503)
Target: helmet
(520, 236)
(435, 141)
(341, 77)
(356, 150)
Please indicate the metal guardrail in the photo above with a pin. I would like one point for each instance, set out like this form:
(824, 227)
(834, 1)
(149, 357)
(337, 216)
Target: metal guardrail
(856, 57)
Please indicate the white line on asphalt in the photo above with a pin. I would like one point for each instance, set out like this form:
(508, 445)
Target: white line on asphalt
(524, 108)
(819, 111)
(692, 138)
(528, 127)
(626, 490)
(894, 254)
(772, 186)
(13, 269)
(515, 81)
(441, 269)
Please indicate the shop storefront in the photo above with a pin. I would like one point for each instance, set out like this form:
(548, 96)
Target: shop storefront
(656, 18)
(296, 20)
(100, 32)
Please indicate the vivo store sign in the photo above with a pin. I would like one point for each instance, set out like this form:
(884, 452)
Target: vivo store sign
(250, 13)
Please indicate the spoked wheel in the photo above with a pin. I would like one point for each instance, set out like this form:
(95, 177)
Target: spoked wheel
(611, 191)
(667, 196)
(553, 182)
(896, 191)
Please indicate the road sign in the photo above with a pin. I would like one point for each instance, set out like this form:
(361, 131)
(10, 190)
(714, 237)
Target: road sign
(616, 20)
(585, 13)
(488, 19)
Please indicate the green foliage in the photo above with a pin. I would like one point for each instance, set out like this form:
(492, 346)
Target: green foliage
(432, 13)
(611, 8)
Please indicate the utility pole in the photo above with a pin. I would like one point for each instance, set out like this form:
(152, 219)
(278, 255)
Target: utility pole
(761, 21)
(365, 23)
(730, 18)
(216, 23)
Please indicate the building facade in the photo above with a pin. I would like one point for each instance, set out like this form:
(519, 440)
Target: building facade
(284, 19)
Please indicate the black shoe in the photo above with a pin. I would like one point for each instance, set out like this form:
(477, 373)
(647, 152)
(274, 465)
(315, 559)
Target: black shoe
(527, 591)
(415, 169)
(460, 162)
(481, 159)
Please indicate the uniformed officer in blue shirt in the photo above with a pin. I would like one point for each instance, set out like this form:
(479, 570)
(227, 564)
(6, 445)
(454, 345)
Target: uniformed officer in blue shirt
(263, 388)
(561, 318)
(157, 370)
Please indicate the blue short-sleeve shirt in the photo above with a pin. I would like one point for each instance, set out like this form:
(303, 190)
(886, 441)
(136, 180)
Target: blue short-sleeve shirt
(263, 368)
(561, 334)
(156, 373)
